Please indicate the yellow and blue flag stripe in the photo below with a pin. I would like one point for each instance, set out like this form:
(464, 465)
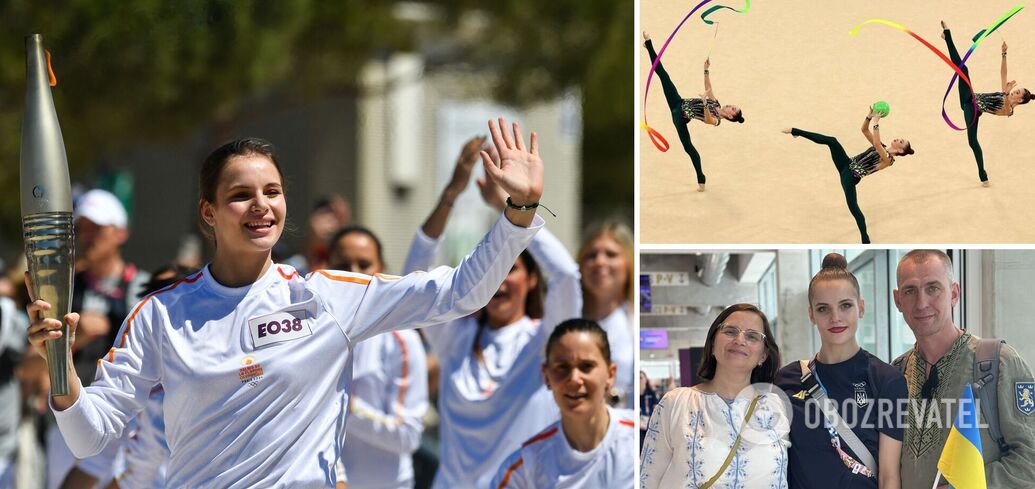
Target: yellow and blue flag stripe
(961, 461)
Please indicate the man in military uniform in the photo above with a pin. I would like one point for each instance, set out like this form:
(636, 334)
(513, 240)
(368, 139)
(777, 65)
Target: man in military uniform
(940, 365)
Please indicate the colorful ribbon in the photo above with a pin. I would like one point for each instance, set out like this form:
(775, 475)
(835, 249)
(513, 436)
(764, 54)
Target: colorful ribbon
(704, 16)
(980, 36)
(656, 137)
(959, 74)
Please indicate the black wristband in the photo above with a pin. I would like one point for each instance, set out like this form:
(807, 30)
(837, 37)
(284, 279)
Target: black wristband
(529, 207)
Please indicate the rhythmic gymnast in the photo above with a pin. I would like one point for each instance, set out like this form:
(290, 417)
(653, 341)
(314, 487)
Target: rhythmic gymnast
(685, 110)
(876, 158)
(995, 103)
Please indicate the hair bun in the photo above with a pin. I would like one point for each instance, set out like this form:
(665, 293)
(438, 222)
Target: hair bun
(835, 260)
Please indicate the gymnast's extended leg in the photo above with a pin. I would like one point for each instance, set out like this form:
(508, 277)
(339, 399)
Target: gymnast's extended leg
(967, 104)
(675, 106)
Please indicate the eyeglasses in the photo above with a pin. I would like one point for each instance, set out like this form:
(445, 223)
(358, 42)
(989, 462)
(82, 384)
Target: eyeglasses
(733, 332)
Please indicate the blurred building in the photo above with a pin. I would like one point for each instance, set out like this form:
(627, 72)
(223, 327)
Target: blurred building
(412, 124)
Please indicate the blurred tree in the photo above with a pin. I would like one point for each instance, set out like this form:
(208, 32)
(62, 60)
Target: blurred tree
(152, 69)
(543, 48)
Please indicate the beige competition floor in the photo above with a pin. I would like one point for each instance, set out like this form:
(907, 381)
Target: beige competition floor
(792, 63)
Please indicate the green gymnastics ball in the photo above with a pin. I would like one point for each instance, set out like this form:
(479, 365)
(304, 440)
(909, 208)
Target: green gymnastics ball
(882, 108)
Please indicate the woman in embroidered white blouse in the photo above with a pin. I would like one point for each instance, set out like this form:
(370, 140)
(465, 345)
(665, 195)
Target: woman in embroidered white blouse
(721, 433)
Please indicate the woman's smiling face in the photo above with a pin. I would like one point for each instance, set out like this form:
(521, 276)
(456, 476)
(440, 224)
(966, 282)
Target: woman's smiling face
(249, 209)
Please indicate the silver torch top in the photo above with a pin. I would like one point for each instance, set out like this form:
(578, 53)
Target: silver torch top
(45, 184)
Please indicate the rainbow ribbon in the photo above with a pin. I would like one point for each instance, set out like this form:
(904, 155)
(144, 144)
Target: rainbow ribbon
(656, 137)
(959, 74)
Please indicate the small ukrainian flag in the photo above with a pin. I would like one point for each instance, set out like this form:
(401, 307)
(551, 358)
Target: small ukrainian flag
(961, 462)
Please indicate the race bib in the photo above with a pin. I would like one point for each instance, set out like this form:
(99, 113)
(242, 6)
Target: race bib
(278, 327)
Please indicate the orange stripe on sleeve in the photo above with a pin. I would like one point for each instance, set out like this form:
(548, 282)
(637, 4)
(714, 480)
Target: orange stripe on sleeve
(129, 321)
(405, 374)
(286, 276)
(626, 422)
(510, 470)
(399, 404)
(345, 278)
(540, 437)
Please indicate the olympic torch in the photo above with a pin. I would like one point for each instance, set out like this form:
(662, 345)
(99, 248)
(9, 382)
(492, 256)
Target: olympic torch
(46, 197)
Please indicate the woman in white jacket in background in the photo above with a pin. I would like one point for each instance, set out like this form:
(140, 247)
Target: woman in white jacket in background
(491, 394)
(593, 445)
(389, 384)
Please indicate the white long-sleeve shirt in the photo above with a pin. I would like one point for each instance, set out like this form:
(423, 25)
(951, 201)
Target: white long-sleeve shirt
(138, 459)
(389, 400)
(691, 433)
(619, 336)
(256, 377)
(547, 460)
(487, 408)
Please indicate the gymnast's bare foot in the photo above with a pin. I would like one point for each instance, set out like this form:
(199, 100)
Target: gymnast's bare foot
(944, 28)
(646, 37)
(787, 131)
(700, 187)
(986, 184)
